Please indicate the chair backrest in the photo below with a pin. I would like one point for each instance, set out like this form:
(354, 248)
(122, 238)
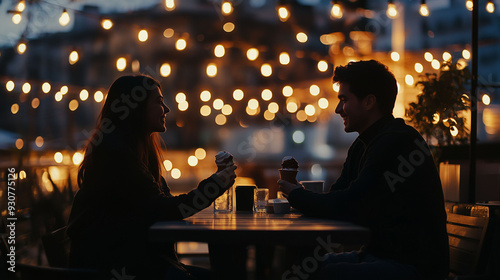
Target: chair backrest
(56, 245)
(465, 235)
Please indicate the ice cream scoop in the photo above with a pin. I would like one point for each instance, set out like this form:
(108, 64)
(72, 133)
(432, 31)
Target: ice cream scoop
(289, 163)
(289, 169)
(223, 159)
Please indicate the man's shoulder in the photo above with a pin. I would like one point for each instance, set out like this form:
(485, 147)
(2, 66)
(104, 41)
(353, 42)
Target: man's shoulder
(397, 133)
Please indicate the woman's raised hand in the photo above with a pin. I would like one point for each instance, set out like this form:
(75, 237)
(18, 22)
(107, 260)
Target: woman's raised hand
(227, 176)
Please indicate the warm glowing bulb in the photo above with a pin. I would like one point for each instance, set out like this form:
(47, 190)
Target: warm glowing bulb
(323, 103)
(395, 56)
(14, 108)
(106, 24)
(252, 54)
(253, 104)
(428, 56)
(26, 88)
(121, 63)
(21, 48)
(167, 164)
(314, 90)
(211, 70)
(301, 37)
(227, 109)
(322, 66)
(283, 14)
(266, 94)
(35, 103)
(192, 161)
(419, 68)
(219, 51)
(58, 96)
(490, 7)
(73, 57)
(58, 157)
(64, 18)
(169, 5)
(64, 89)
(466, 54)
(165, 70)
(287, 91)
(238, 94)
(469, 5)
(73, 105)
(16, 18)
(205, 95)
(284, 58)
(143, 35)
(266, 70)
(310, 110)
(392, 12)
(168, 33)
(180, 97)
(10, 86)
(39, 141)
(292, 107)
(228, 27)
(205, 110)
(409, 80)
(453, 131)
(336, 11)
(77, 158)
(273, 107)
(435, 64)
(227, 8)
(175, 173)
(446, 56)
(200, 153)
(98, 96)
(46, 87)
(84, 95)
(220, 119)
(218, 104)
(486, 99)
(21, 6)
(424, 10)
(183, 106)
(180, 44)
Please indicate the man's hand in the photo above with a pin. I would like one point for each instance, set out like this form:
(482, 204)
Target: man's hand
(287, 187)
(227, 176)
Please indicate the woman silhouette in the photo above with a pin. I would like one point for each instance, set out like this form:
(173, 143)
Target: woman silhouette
(122, 192)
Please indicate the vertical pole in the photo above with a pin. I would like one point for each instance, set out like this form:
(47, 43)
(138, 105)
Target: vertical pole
(473, 111)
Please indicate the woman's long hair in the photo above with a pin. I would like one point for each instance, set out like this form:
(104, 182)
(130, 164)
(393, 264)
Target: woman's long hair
(122, 121)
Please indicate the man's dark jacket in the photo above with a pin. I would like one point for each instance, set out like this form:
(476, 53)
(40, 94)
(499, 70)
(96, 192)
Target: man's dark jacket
(390, 184)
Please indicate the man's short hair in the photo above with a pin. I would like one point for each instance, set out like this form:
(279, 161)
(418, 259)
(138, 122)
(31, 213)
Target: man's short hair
(369, 77)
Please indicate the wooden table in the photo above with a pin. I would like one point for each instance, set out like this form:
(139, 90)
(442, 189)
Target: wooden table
(229, 234)
(257, 228)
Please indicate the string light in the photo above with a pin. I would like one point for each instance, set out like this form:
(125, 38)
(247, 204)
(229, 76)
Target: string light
(21, 6)
(192, 161)
(180, 44)
(228, 27)
(10, 86)
(73, 57)
(58, 96)
(106, 24)
(395, 56)
(314, 90)
(211, 70)
(200, 153)
(84, 95)
(19, 146)
(35, 103)
(435, 64)
(409, 79)
(205, 110)
(301, 37)
(227, 8)
(183, 106)
(39, 141)
(486, 99)
(169, 5)
(16, 18)
(323, 103)
(21, 48)
(310, 110)
(469, 5)
(168, 33)
(424, 10)
(322, 66)
(73, 105)
(220, 119)
(64, 18)
(219, 50)
(180, 97)
(419, 68)
(26, 88)
(273, 107)
(283, 13)
(167, 164)
(143, 35)
(392, 11)
(336, 10)
(121, 63)
(227, 110)
(252, 54)
(46, 87)
(253, 104)
(266, 94)
(205, 95)
(98, 96)
(446, 56)
(287, 91)
(266, 70)
(284, 58)
(77, 158)
(292, 107)
(238, 94)
(218, 104)
(14, 108)
(165, 70)
(466, 54)
(428, 56)
(64, 90)
(490, 7)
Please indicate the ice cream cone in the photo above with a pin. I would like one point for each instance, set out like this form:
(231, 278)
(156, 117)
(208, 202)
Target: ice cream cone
(289, 175)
